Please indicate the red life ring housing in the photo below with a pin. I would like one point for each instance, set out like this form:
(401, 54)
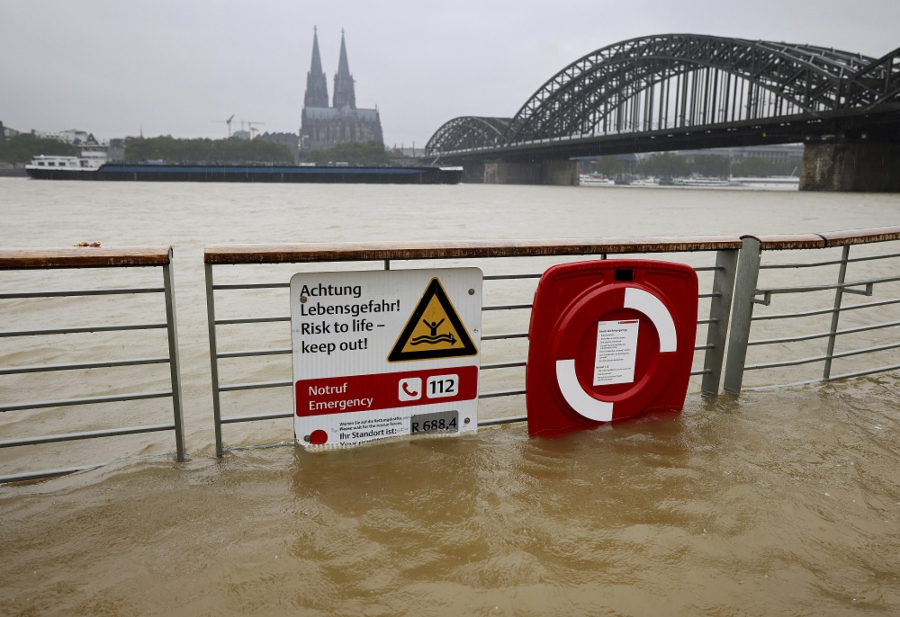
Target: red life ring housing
(609, 340)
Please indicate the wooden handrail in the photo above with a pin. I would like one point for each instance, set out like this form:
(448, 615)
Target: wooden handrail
(363, 251)
(861, 236)
(780, 242)
(828, 238)
(125, 257)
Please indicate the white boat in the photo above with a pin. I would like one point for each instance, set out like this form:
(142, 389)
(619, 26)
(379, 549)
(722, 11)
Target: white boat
(89, 161)
(594, 180)
(701, 182)
(772, 181)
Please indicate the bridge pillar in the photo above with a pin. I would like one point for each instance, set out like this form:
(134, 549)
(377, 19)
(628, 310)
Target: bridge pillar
(559, 173)
(473, 171)
(845, 165)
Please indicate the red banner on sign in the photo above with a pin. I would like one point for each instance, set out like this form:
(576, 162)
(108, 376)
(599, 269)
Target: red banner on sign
(317, 397)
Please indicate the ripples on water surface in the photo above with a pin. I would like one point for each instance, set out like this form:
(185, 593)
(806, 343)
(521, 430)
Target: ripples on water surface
(782, 502)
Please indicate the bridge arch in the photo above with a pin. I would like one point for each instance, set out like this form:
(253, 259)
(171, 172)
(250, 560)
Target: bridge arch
(680, 80)
(675, 81)
(467, 132)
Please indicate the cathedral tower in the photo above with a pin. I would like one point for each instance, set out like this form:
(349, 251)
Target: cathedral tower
(344, 94)
(316, 84)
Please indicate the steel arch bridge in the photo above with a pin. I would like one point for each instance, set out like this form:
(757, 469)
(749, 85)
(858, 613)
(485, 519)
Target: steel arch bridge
(683, 84)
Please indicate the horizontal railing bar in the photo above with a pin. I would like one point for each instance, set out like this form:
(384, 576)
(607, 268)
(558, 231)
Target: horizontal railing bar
(823, 357)
(506, 277)
(510, 277)
(69, 402)
(499, 337)
(84, 329)
(496, 365)
(254, 352)
(498, 421)
(123, 257)
(831, 262)
(246, 320)
(857, 352)
(872, 257)
(709, 269)
(880, 369)
(506, 307)
(15, 370)
(799, 362)
(826, 311)
(499, 393)
(785, 385)
(812, 264)
(789, 290)
(701, 322)
(47, 473)
(371, 251)
(226, 286)
(705, 371)
(132, 430)
(255, 385)
(261, 446)
(810, 337)
(513, 307)
(264, 416)
(793, 315)
(82, 292)
(702, 347)
(862, 305)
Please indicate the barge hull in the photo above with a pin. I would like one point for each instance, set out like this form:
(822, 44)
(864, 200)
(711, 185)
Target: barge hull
(268, 174)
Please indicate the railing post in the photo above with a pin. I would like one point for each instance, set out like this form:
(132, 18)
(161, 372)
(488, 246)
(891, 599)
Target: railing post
(213, 357)
(836, 316)
(174, 363)
(741, 315)
(719, 313)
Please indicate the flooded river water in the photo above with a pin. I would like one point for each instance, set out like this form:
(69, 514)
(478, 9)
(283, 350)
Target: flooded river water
(777, 502)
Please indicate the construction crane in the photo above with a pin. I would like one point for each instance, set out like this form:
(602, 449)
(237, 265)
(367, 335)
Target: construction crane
(228, 122)
(250, 126)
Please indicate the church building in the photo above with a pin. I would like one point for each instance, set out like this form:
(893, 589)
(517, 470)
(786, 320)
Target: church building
(325, 126)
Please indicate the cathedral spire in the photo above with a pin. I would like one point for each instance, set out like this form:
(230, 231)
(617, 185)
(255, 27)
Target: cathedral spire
(316, 83)
(344, 94)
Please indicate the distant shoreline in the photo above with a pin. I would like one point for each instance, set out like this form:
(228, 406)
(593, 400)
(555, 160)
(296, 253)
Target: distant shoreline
(13, 173)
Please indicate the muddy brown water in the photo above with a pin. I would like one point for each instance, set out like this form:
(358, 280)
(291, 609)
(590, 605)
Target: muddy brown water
(777, 502)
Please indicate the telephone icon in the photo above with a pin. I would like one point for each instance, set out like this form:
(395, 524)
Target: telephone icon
(410, 389)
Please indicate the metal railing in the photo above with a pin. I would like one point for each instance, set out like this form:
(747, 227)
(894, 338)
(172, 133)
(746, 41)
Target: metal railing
(729, 277)
(748, 293)
(34, 260)
(388, 254)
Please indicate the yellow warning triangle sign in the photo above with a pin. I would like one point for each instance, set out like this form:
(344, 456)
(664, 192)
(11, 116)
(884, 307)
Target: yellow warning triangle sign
(433, 331)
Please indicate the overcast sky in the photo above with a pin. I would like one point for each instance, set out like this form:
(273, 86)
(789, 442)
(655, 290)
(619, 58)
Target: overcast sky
(176, 67)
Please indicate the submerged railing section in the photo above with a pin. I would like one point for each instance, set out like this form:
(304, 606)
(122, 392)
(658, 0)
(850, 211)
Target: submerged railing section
(94, 258)
(744, 284)
(818, 329)
(526, 261)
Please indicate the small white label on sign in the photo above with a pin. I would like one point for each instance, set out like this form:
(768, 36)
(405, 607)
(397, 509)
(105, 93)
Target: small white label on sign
(616, 352)
(442, 386)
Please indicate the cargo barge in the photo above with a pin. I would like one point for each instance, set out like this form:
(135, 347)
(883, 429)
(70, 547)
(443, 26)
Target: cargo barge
(96, 168)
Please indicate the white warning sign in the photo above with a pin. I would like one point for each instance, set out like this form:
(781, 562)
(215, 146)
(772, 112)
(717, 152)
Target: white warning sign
(382, 354)
(616, 352)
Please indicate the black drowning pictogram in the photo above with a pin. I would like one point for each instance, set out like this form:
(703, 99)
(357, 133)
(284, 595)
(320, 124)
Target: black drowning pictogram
(434, 330)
